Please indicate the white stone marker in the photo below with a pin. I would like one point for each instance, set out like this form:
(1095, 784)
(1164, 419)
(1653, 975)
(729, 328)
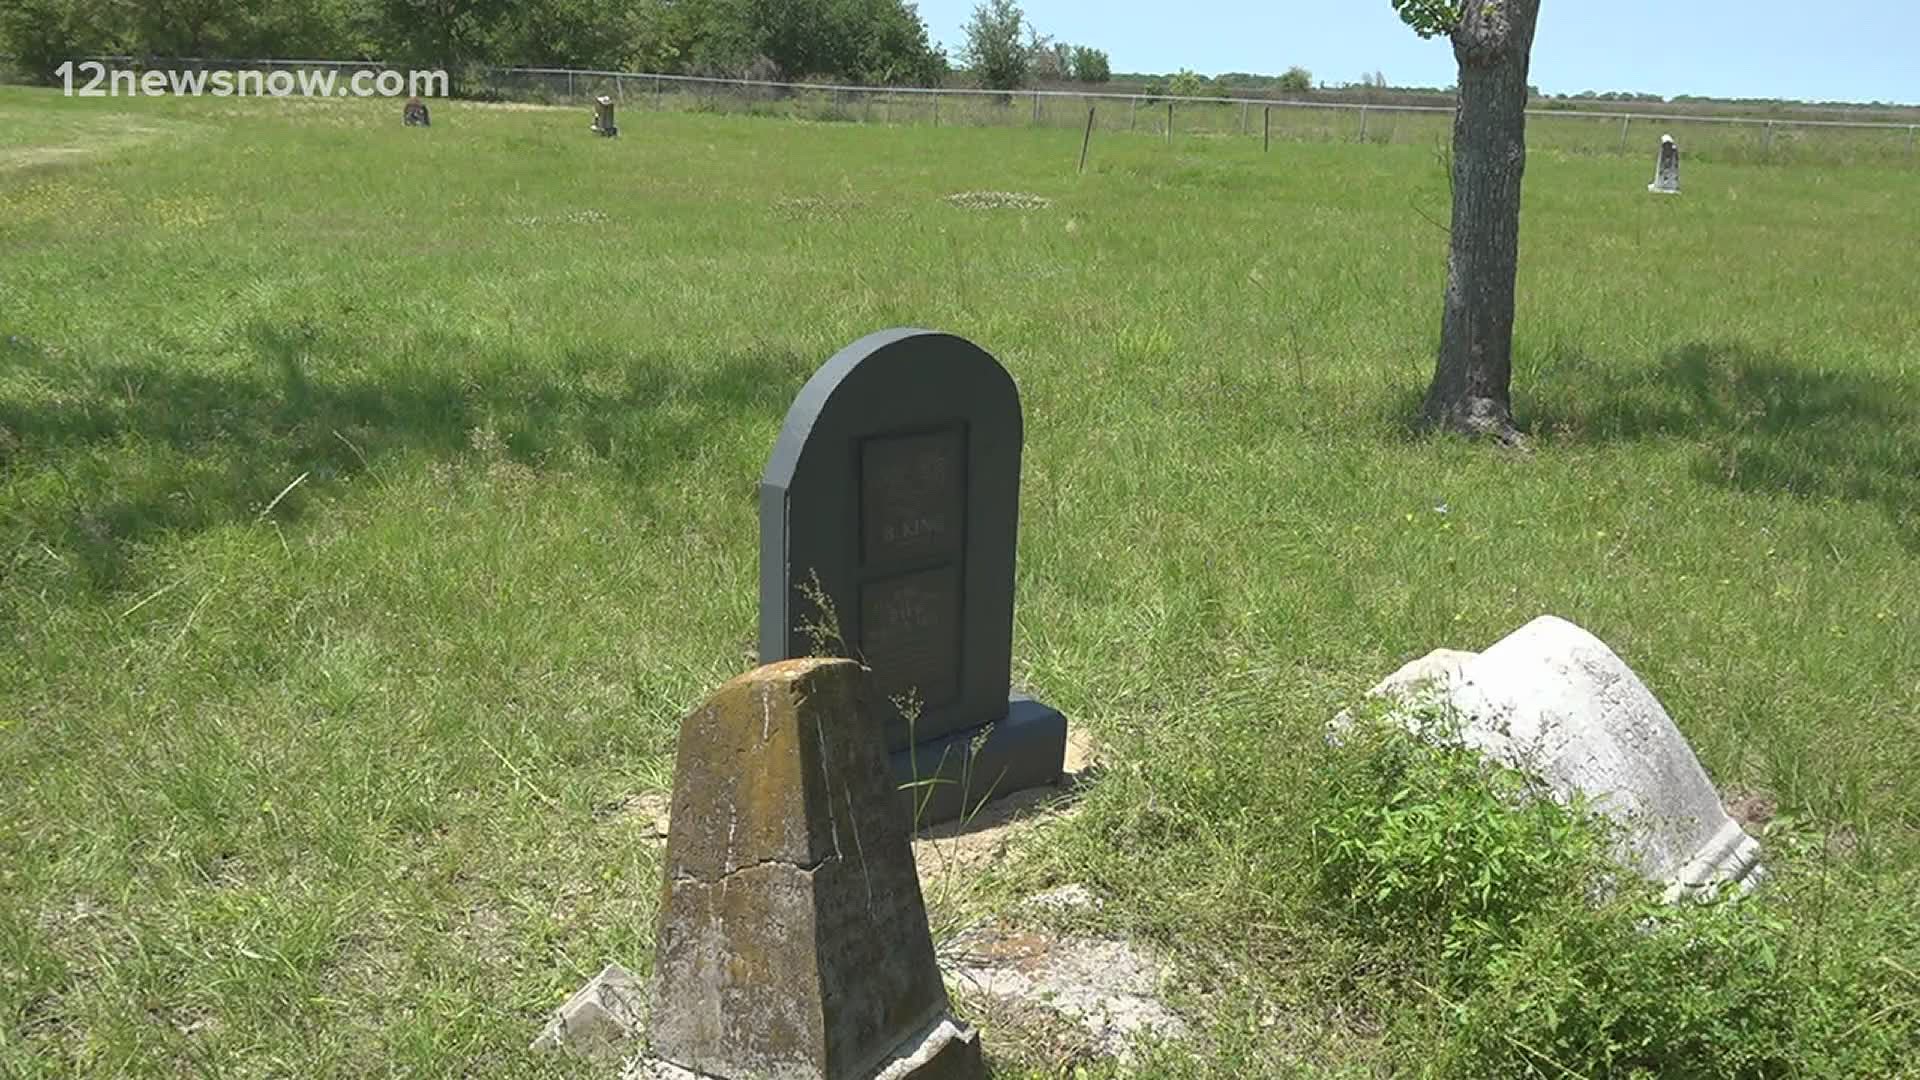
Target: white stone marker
(1666, 172)
(1553, 700)
(599, 1019)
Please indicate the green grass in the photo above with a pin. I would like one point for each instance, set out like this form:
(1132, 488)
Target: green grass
(331, 780)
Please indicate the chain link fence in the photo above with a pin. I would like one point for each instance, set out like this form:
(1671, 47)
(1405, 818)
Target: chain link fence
(1296, 118)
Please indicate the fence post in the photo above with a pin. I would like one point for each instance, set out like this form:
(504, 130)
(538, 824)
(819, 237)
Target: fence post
(1086, 140)
(1169, 123)
(936, 107)
(620, 87)
(659, 91)
(1766, 147)
(1133, 118)
(1266, 129)
(1036, 106)
(1243, 117)
(1910, 128)
(1624, 121)
(1363, 123)
(569, 85)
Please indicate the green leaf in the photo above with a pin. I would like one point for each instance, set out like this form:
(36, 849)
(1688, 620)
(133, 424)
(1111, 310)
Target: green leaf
(1429, 18)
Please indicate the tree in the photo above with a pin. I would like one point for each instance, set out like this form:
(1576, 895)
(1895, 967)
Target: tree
(1186, 83)
(1062, 60)
(43, 34)
(442, 33)
(1297, 80)
(887, 44)
(1492, 43)
(876, 42)
(993, 47)
(563, 33)
(1090, 65)
(717, 37)
(1046, 58)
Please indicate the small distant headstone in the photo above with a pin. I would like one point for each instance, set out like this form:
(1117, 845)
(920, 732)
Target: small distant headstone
(603, 117)
(415, 114)
(793, 938)
(1666, 174)
(890, 509)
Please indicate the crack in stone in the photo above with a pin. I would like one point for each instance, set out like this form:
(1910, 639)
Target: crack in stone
(833, 822)
(805, 868)
(853, 822)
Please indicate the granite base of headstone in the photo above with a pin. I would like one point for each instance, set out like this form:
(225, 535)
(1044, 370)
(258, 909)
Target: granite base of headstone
(1666, 172)
(603, 124)
(953, 776)
(793, 938)
(415, 114)
(888, 523)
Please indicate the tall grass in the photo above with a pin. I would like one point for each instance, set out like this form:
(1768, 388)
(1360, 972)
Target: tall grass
(334, 777)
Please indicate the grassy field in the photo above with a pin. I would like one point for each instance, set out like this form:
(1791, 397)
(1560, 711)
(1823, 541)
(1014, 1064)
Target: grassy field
(374, 501)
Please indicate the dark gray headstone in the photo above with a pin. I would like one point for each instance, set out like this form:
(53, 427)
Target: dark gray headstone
(1666, 173)
(891, 504)
(603, 117)
(415, 114)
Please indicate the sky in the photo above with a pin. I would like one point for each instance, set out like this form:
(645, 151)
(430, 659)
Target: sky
(1833, 50)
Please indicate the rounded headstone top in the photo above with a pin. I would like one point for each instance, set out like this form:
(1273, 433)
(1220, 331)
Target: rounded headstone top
(952, 370)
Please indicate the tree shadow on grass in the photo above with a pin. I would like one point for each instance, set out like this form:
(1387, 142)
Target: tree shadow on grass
(103, 456)
(1765, 423)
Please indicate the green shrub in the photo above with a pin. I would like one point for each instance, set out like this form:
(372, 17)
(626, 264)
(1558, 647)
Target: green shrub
(1091, 65)
(1480, 896)
(1428, 847)
(1187, 83)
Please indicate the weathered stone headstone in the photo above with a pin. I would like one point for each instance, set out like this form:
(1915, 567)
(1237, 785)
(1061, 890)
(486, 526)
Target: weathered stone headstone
(888, 518)
(793, 938)
(415, 114)
(1666, 173)
(1553, 700)
(603, 117)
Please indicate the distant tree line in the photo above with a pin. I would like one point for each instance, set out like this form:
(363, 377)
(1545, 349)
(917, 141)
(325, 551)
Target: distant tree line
(1003, 51)
(869, 42)
(1189, 83)
(1608, 95)
(861, 41)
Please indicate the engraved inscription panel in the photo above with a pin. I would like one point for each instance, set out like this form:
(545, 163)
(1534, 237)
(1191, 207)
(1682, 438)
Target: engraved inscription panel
(910, 634)
(912, 496)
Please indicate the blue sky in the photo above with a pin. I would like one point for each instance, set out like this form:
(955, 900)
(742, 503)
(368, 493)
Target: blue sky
(1842, 50)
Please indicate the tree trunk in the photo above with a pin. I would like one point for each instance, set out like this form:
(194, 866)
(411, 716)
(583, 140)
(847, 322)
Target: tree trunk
(1471, 389)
